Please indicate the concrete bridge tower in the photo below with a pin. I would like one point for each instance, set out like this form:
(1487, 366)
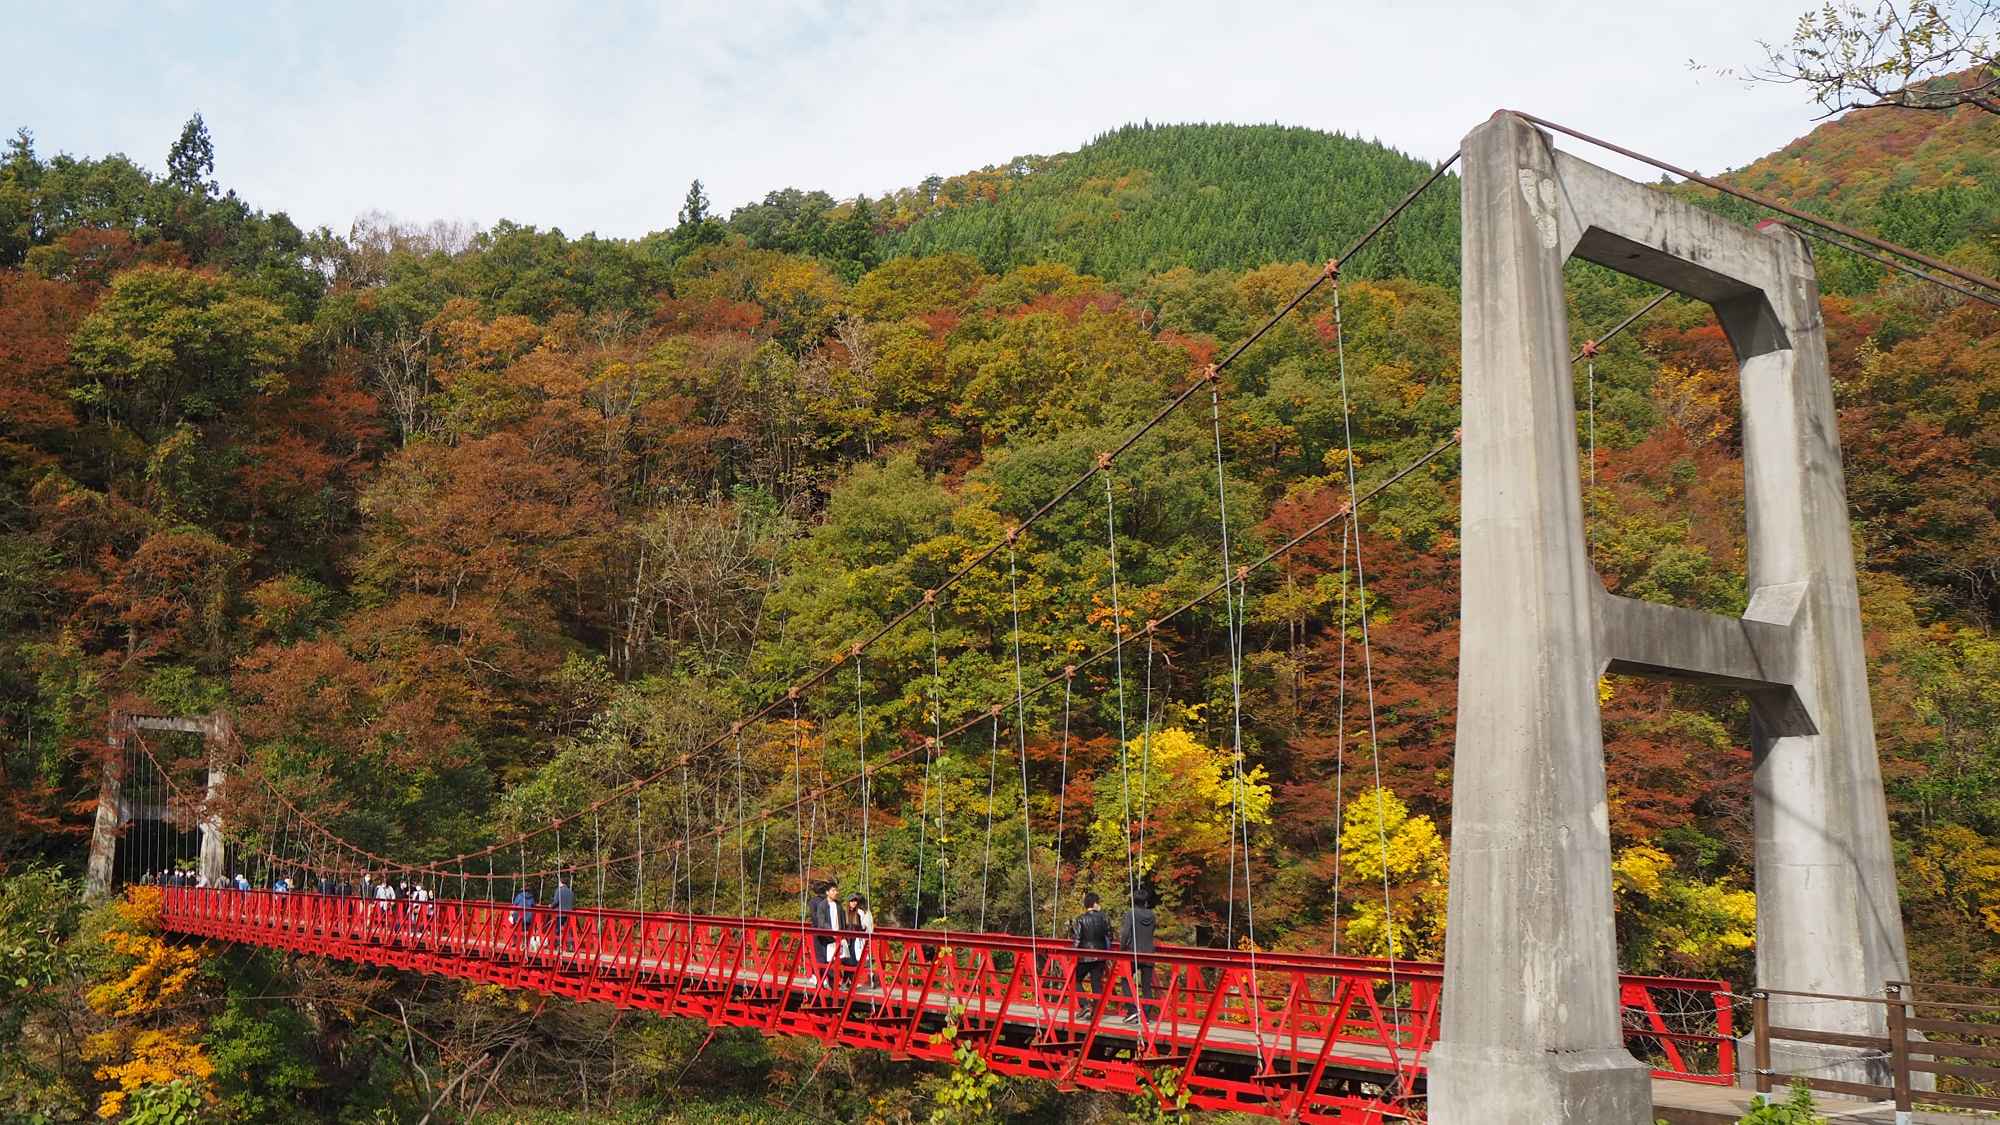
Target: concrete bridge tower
(117, 809)
(1531, 1023)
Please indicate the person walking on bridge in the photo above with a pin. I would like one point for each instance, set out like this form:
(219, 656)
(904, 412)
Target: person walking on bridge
(826, 917)
(1135, 937)
(856, 919)
(1090, 931)
(564, 900)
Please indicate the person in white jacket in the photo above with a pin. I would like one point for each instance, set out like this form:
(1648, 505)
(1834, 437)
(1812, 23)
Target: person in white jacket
(854, 950)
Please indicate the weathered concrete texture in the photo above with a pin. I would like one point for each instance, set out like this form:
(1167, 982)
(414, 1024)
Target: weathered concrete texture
(1827, 914)
(211, 863)
(110, 822)
(1531, 1029)
(1530, 1017)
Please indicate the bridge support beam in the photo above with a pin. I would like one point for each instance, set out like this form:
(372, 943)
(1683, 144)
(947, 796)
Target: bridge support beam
(1531, 1028)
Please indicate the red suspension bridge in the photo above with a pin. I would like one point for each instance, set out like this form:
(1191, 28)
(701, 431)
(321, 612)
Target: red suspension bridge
(1317, 1037)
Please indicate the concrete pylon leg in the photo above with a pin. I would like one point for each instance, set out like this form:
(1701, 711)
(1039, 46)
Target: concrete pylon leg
(1827, 914)
(211, 865)
(108, 827)
(1531, 1031)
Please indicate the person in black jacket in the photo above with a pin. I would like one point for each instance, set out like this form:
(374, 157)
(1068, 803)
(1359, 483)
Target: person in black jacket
(826, 916)
(1136, 939)
(1091, 930)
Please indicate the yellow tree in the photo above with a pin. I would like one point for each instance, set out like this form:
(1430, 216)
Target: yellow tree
(146, 1044)
(1187, 797)
(1396, 873)
(1667, 920)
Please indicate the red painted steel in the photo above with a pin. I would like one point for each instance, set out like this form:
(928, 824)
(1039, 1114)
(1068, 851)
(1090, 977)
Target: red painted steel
(1311, 1037)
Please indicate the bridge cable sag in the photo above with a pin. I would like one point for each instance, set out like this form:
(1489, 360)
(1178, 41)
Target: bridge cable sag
(987, 554)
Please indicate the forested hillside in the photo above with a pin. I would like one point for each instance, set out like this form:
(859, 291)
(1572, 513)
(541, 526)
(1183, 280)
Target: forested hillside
(465, 528)
(1147, 198)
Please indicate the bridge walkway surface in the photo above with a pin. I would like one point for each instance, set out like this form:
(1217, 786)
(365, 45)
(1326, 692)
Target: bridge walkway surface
(1308, 1036)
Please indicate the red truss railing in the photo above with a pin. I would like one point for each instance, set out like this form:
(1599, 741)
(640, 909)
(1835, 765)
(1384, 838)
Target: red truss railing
(1318, 1038)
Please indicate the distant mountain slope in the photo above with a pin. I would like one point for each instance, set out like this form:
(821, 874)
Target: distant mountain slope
(1927, 180)
(1147, 198)
(1851, 162)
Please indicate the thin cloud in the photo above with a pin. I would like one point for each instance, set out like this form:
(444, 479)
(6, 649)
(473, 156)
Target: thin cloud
(596, 118)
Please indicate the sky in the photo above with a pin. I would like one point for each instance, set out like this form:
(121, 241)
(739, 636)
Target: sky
(594, 117)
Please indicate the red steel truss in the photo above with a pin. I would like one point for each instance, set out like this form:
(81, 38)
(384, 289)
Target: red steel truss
(1317, 1038)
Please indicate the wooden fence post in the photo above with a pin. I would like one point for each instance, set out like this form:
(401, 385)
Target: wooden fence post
(1760, 1025)
(1899, 1051)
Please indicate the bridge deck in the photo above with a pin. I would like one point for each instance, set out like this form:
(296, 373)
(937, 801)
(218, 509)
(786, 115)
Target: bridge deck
(1316, 1037)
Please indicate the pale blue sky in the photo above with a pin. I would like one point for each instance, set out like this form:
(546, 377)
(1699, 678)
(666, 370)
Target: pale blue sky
(595, 117)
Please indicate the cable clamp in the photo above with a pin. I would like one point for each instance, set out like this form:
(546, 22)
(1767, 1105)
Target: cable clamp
(1332, 270)
(1104, 461)
(1590, 348)
(855, 652)
(792, 693)
(1151, 625)
(1069, 671)
(1242, 573)
(1013, 532)
(1210, 374)
(1342, 509)
(930, 597)
(994, 710)
(736, 728)
(1458, 434)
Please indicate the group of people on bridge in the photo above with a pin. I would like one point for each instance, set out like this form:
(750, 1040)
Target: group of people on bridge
(843, 927)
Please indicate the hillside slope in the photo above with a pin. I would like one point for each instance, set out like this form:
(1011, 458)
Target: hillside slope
(1147, 198)
(1926, 180)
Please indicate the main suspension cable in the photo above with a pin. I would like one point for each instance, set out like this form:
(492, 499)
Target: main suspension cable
(976, 561)
(1771, 204)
